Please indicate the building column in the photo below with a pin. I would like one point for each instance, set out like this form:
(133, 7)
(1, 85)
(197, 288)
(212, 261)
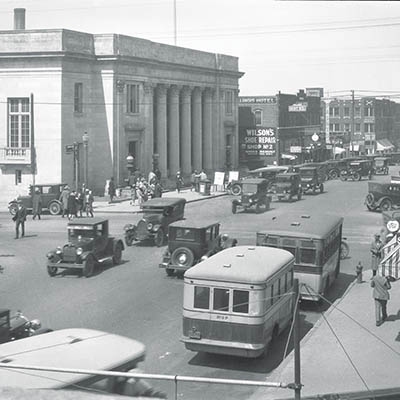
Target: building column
(197, 154)
(161, 125)
(207, 130)
(173, 130)
(186, 134)
(216, 129)
(149, 131)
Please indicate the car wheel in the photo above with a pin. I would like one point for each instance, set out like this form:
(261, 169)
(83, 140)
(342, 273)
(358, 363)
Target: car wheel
(182, 256)
(117, 256)
(299, 195)
(333, 174)
(234, 208)
(369, 202)
(88, 267)
(344, 250)
(159, 239)
(169, 271)
(314, 190)
(321, 188)
(356, 176)
(236, 189)
(13, 209)
(54, 208)
(386, 205)
(52, 271)
(258, 208)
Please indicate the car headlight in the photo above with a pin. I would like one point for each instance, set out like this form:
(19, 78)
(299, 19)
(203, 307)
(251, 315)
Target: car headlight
(50, 255)
(149, 226)
(59, 250)
(203, 258)
(79, 251)
(128, 227)
(156, 227)
(308, 185)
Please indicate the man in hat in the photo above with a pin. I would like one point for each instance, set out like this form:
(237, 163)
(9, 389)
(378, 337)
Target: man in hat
(376, 253)
(19, 218)
(64, 200)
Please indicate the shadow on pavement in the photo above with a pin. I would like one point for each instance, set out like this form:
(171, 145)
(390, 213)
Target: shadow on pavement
(262, 365)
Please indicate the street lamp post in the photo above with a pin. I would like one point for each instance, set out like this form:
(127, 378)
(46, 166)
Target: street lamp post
(85, 140)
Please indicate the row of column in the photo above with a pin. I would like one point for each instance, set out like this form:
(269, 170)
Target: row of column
(183, 128)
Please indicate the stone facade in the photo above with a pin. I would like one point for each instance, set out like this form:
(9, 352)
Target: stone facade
(163, 104)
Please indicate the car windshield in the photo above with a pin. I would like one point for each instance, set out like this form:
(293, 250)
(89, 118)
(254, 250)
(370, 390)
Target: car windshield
(249, 188)
(85, 233)
(379, 163)
(153, 210)
(185, 234)
(307, 172)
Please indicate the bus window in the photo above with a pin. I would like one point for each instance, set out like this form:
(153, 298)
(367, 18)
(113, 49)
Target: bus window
(221, 300)
(271, 241)
(201, 297)
(289, 245)
(307, 256)
(272, 295)
(241, 301)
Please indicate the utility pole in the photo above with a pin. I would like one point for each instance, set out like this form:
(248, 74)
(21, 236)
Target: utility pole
(352, 122)
(296, 340)
(175, 39)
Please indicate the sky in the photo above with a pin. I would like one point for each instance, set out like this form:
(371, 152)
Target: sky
(281, 45)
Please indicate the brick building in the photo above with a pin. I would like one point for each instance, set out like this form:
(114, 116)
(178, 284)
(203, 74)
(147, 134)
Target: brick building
(290, 121)
(363, 126)
(162, 104)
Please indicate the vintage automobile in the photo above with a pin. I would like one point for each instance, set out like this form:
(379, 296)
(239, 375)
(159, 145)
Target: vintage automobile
(190, 242)
(158, 213)
(269, 172)
(89, 244)
(310, 180)
(381, 165)
(382, 196)
(18, 326)
(357, 169)
(288, 186)
(254, 194)
(50, 193)
(320, 166)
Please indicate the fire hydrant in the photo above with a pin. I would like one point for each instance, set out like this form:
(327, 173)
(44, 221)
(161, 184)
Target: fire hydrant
(359, 269)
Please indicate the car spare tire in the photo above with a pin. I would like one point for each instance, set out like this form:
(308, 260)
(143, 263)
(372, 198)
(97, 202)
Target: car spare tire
(183, 257)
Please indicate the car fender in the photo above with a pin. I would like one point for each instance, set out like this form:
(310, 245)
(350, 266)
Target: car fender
(54, 201)
(236, 202)
(85, 255)
(379, 202)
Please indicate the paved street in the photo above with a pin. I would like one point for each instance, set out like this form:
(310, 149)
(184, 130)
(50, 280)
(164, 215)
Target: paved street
(138, 300)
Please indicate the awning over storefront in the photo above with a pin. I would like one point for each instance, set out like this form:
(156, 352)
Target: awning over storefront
(383, 144)
(338, 150)
(391, 258)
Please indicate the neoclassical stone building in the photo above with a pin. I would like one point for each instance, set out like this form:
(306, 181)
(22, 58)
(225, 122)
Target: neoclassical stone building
(174, 106)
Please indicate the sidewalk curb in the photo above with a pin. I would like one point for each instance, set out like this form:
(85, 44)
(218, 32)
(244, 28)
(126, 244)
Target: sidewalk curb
(139, 211)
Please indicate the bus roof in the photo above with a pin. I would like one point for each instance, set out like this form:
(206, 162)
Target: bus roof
(66, 348)
(241, 264)
(316, 226)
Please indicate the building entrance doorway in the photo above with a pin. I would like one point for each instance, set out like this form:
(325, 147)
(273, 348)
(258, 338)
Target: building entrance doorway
(133, 150)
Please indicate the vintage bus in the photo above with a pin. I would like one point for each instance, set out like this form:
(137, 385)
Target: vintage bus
(74, 349)
(315, 243)
(238, 301)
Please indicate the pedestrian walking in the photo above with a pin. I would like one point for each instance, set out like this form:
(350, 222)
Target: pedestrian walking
(19, 218)
(193, 179)
(79, 203)
(158, 174)
(376, 253)
(72, 209)
(111, 189)
(157, 192)
(64, 200)
(179, 181)
(359, 269)
(37, 205)
(381, 296)
(88, 203)
(203, 175)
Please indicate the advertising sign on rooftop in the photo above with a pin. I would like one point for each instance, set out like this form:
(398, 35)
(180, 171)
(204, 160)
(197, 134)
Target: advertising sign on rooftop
(298, 107)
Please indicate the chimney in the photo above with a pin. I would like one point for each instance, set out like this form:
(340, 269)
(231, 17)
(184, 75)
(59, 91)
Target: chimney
(19, 18)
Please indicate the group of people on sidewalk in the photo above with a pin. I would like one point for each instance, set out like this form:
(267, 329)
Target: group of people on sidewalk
(76, 202)
(380, 283)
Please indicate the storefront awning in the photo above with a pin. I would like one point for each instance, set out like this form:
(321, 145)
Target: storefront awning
(338, 150)
(389, 266)
(383, 144)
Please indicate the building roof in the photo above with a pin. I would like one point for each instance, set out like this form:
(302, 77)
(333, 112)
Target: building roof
(241, 264)
(315, 226)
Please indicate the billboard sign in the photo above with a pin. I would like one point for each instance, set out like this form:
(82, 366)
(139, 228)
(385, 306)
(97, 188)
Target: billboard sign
(257, 100)
(256, 143)
(298, 107)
